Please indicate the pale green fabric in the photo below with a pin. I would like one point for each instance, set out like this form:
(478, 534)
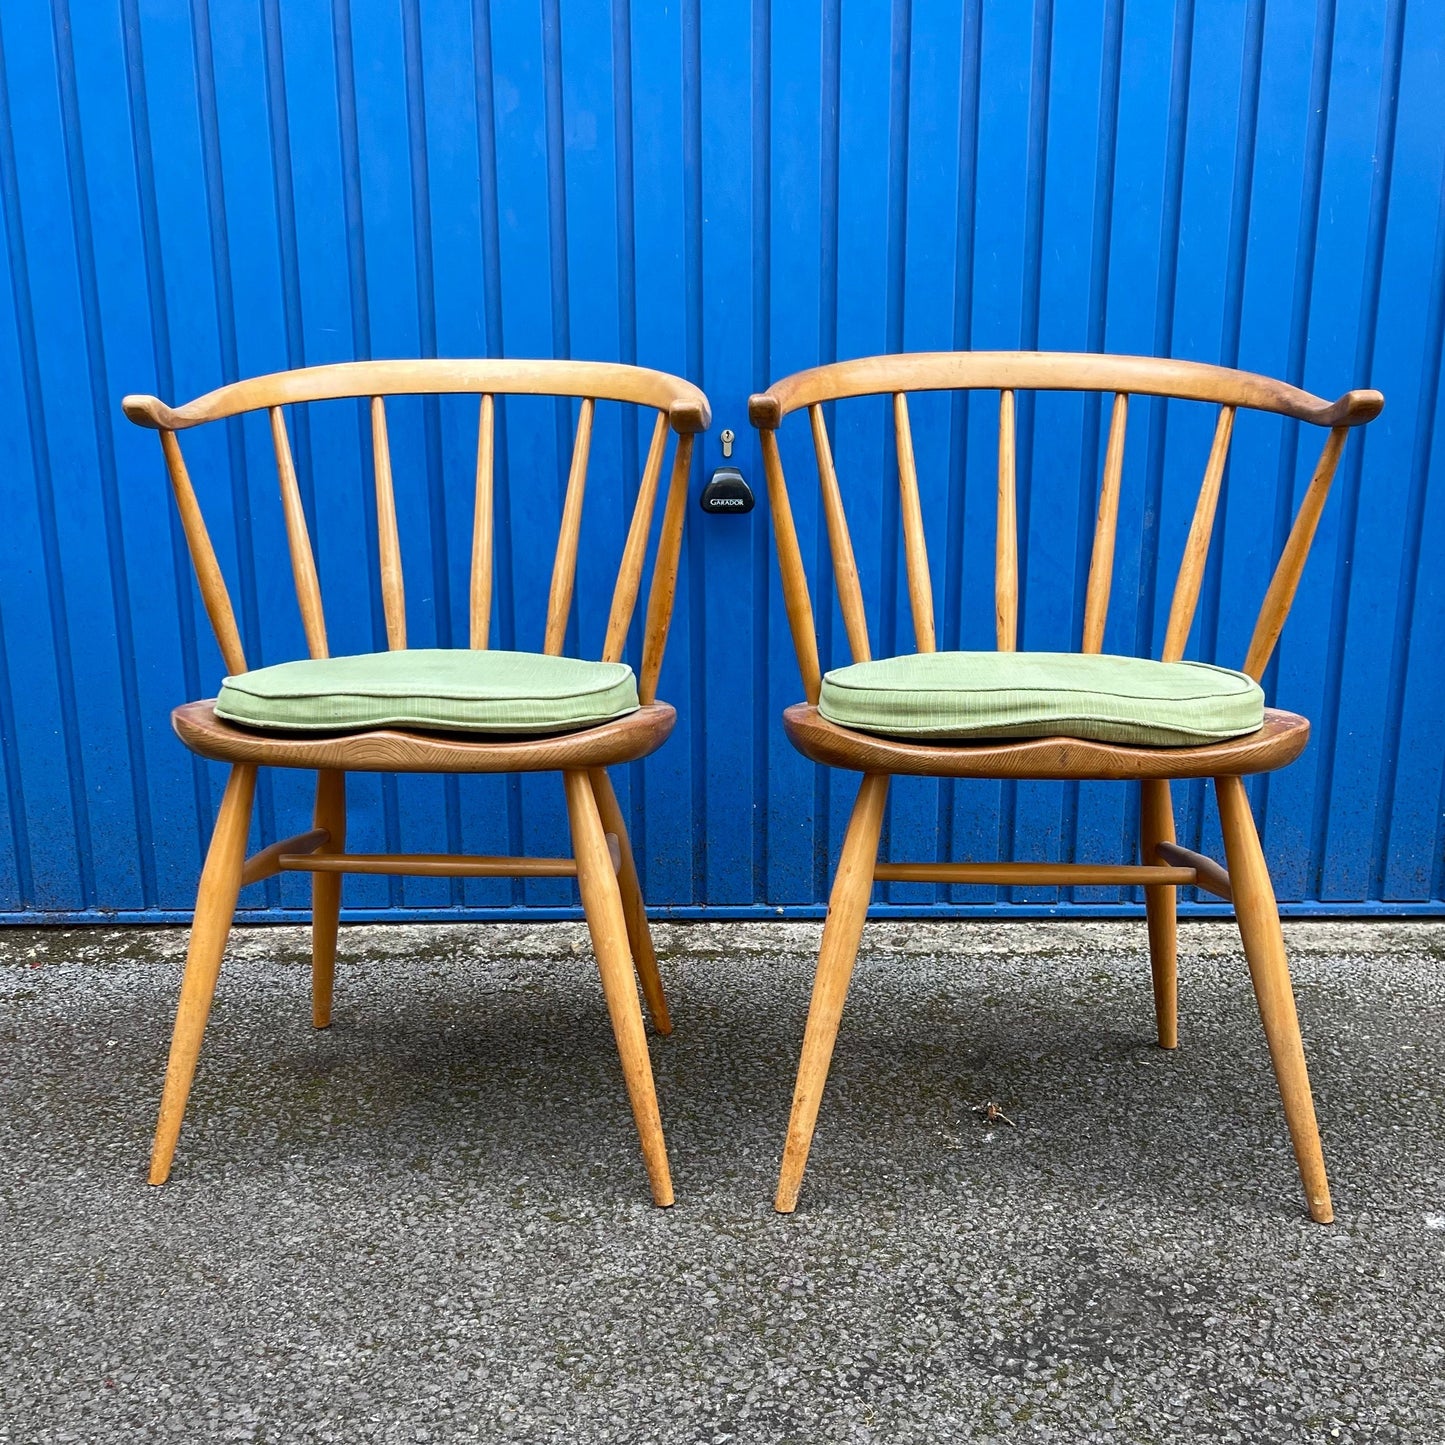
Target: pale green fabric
(960, 695)
(448, 689)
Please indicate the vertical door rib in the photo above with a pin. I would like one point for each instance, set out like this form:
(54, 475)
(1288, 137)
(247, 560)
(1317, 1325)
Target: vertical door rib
(214, 596)
(1285, 581)
(664, 571)
(790, 561)
(845, 569)
(1101, 564)
(1196, 545)
(634, 551)
(481, 584)
(1006, 547)
(915, 548)
(298, 539)
(393, 593)
(564, 566)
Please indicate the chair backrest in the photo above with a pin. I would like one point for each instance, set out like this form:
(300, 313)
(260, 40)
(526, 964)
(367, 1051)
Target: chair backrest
(679, 405)
(1009, 372)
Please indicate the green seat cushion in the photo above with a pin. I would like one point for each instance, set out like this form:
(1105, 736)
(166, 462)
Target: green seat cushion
(449, 689)
(959, 695)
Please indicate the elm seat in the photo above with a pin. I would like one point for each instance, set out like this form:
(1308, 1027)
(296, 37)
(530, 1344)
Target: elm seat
(440, 689)
(953, 696)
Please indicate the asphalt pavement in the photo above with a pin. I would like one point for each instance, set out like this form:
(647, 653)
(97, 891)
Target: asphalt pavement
(430, 1222)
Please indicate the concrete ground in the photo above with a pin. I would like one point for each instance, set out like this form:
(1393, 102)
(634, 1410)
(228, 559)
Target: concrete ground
(430, 1223)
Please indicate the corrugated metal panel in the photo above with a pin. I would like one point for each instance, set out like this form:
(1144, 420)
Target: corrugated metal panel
(195, 192)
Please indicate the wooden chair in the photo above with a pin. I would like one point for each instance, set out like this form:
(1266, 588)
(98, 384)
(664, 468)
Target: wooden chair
(1165, 865)
(602, 859)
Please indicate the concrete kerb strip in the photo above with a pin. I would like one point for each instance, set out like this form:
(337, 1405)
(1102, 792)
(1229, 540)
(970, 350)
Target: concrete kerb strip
(285, 943)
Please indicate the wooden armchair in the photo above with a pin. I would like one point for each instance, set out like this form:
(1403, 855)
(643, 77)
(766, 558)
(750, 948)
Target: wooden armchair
(496, 726)
(985, 715)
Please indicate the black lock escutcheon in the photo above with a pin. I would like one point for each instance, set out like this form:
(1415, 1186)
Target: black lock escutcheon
(726, 492)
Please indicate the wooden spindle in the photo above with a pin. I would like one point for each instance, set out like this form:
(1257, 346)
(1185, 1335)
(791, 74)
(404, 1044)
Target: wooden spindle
(634, 551)
(915, 548)
(1196, 545)
(664, 572)
(214, 597)
(1006, 545)
(564, 565)
(393, 592)
(1286, 579)
(482, 526)
(1101, 564)
(790, 561)
(845, 568)
(298, 539)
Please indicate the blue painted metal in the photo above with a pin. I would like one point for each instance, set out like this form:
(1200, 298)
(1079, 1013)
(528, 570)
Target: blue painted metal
(197, 191)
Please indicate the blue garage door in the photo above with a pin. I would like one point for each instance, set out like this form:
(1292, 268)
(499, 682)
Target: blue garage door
(194, 192)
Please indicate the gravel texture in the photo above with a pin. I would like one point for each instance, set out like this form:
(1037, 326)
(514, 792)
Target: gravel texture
(430, 1223)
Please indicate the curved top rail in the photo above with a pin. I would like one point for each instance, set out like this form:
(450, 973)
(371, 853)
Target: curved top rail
(1054, 371)
(686, 407)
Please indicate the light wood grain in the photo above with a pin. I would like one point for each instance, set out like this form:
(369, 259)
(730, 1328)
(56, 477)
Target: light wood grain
(1006, 542)
(1258, 915)
(298, 539)
(1016, 875)
(214, 596)
(1161, 897)
(614, 904)
(798, 604)
(1279, 741)
(634, 910)
(1208, 874)
(602, 903)
(564, 564)
(915, 546)
(265, 864)
(899, 375)
(840, 544)
(429, 865)
(1165, 866)
(1285, 582)
(1196, 545)
(664, 573)
(483, 526)
(1053, 371)
(683, 404)
(847, 910)
(1101, 560)
(329, 816)
(215, 907)
(393, 588)
(389, 750)
(634, 550)
(686, 406)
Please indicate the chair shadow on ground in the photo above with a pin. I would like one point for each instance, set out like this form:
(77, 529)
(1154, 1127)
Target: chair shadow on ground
(507, 1073)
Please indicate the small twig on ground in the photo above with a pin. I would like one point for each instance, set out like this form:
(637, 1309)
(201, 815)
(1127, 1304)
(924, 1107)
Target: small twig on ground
(992, 1114)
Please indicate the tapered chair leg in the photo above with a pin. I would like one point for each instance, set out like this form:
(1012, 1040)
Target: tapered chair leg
(847, 911)
(326, 895)
(602, 903)
(1156, 825)
(215, 907)
(639, 937)
(1258, 915)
